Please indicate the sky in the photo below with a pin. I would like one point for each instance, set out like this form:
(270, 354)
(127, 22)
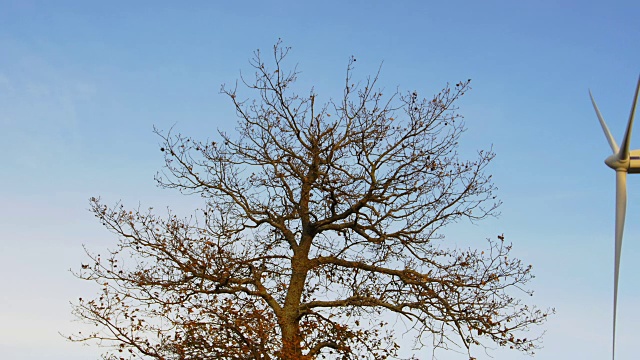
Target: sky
(83, 83)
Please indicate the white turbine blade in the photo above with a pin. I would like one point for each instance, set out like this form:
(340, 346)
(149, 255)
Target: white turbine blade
(621, 208)
(635, 101)
(624, 147)
(607, 133)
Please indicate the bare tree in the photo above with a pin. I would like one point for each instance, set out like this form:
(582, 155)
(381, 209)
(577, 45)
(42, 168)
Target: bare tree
(320, 222)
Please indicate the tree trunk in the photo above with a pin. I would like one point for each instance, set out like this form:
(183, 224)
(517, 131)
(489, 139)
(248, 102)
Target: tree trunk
(290, 321)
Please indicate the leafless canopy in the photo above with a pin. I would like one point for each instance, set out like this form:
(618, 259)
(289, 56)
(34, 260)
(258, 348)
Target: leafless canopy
(321, 221)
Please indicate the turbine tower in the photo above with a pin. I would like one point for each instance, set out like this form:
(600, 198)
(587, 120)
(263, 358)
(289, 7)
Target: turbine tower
(623, 161)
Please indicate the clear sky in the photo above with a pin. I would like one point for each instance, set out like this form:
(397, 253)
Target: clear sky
(82, 84)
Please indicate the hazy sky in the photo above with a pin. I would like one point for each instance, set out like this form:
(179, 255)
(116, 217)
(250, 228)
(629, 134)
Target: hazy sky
(82, 84)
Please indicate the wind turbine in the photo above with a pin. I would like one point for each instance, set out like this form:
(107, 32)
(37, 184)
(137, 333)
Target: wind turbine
(623, 161)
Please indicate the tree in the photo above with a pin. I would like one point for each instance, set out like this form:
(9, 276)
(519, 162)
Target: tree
(320, 222)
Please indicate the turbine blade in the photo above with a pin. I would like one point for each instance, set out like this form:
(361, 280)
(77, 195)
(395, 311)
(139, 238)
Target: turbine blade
(621, 208)
(607, 133)
(624, 147)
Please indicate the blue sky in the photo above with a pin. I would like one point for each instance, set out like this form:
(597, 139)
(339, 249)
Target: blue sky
(83, 83)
